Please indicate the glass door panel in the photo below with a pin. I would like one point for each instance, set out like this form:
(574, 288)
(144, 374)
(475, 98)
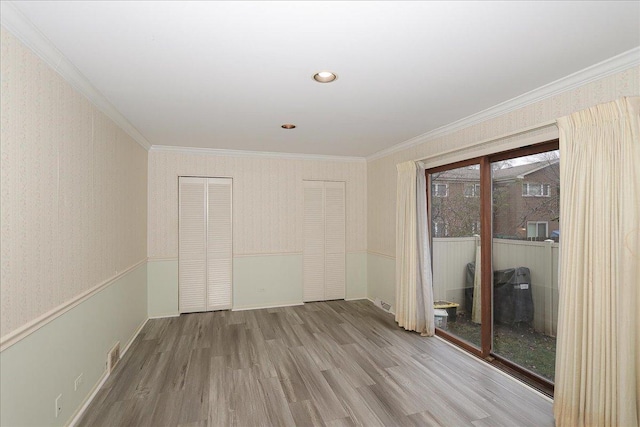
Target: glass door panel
(454, 209)
(525, 218)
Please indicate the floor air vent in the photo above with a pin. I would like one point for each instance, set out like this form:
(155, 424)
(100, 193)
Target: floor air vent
(113, 357)
(383, 305)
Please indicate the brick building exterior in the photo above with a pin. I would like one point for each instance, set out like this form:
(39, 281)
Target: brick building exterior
(525, 201)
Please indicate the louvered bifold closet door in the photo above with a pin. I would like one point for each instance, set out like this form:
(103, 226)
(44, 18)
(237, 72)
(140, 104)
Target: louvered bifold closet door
(313, 253)
(334, 221)
(219, 244)
(192, 263)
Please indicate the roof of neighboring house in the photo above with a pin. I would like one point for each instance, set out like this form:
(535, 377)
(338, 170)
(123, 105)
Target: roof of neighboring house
(521, 171)
(472, 174)
(460, 174)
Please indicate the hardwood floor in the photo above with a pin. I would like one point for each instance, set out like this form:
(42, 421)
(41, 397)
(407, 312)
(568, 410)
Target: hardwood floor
(332, 363)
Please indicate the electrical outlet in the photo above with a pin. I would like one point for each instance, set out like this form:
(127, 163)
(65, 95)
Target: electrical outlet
(58, 405)
(77, 383)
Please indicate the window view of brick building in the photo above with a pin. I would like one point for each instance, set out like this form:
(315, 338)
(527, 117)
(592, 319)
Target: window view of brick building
(455, 202)
(525, 199)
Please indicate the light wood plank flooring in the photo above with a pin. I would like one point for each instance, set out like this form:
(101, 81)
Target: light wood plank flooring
(332, 363)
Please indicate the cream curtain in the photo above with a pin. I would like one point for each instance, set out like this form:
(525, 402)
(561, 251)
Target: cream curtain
(414, 290)
(598, 350)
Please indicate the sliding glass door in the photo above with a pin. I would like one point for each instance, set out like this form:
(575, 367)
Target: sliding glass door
(495, 233)
(455, 237)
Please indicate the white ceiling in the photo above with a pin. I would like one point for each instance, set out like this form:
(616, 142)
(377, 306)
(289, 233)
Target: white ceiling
(226, 75)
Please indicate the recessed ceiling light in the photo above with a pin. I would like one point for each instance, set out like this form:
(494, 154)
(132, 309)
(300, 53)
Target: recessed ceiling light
(324, 77)
(288, 126)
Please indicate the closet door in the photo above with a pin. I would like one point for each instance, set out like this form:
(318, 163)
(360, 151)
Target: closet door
(334, 237)
(219, 244)
(324, 241)
(314, 240)
(205, 244)
(192, 263)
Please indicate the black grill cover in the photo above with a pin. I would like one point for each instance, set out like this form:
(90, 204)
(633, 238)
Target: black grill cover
(512, 297)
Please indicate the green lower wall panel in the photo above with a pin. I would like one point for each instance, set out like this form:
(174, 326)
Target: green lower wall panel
(381, 276)
(356, 275)
(162, 288)
(263, 281)
(44, 364)
(258, 281)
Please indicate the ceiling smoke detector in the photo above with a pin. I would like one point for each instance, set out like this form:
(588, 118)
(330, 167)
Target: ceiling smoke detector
(325, 77)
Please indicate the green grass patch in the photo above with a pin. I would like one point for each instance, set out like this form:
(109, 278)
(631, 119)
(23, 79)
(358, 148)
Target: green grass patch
(518, 343)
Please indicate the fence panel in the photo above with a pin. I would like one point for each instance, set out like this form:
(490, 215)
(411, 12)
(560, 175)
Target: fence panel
(555, 252)
(450, 258)
(451, 255)
(538, 257)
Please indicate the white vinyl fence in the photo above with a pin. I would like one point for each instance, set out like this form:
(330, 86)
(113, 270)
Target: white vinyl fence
(451, 255)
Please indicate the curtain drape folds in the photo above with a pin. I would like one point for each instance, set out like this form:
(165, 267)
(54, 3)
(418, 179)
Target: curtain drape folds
(414, 290)
(598, 348)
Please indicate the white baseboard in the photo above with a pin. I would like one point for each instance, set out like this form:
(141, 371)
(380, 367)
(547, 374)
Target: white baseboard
(355, 299)
(133, 337)
(164, 316)
(96, 388)
(94, 391)
(260, 307)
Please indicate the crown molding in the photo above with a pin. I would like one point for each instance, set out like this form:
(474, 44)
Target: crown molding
(616, 64)
(15, 22)
(246, 153)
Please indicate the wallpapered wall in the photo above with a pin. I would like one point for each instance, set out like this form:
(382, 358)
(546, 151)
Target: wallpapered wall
(74, 190)
(381, 173)
(267, 200)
